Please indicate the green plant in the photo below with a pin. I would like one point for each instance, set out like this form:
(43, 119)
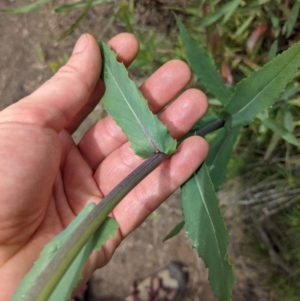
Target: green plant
(150, 138)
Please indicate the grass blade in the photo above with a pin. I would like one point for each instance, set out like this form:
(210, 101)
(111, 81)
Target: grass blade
(291, 21)
(273, 50)
(280, 131)
(271, 146)
(234, 5)
(26, 8)
(216, 15)
(244, 26)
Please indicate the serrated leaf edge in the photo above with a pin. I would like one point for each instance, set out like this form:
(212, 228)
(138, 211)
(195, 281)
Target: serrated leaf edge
(148, 136)
(229, 121)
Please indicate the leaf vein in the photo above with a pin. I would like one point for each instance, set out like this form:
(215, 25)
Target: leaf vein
(211, 222)
(133, 113)
(273, 79)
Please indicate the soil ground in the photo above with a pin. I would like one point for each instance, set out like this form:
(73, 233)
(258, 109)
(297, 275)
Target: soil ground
(29, 54)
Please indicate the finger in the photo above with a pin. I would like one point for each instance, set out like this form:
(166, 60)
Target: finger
(81, 188)
(183, 113)
(104, 137)
(180, 116)
(126, 46)
(55, 103)
(163, 86)
(156, 187)
(90, 105)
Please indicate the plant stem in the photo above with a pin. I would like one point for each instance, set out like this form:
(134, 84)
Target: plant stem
(64, 256)
(210, 128)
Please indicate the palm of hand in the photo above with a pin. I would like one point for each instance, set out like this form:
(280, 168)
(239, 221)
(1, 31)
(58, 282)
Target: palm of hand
(46, 179)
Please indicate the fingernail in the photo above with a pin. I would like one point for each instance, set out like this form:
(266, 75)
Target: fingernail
(81, 43)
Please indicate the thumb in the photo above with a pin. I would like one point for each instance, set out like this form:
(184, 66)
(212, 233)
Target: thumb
(58, 100)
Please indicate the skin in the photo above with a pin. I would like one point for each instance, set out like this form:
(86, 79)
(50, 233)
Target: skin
(46, 179)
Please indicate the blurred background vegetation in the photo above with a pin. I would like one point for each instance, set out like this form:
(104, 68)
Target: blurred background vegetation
(240, 36)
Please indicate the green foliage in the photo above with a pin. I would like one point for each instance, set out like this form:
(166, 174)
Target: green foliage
(280, 131)
(203, 66)
(225, 11)
(263, 87)
(221, 150)
(238, 45)
(62, 284)
(174, 231)
(126, 104)
(206, 229)
(251, 96)
(291, 21)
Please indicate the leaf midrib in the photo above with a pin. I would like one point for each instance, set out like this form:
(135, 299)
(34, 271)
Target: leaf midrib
(148, 136)
(207, 211)
(257, 95)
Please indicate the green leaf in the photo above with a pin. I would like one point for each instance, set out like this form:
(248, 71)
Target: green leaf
(294, 102)
(288, 121)
(125, 103)
(273, 50)
(291, 90)
(280, 130)
(206, 229)
(274, 20)
(257, 3)
(291, 21)
(216, 15)
(234, 5)
(68, 7)
(203, 66)
(272, 146)
(26, 8)
(244, 26)
(261, 89)
(174, 231)
(220, 153)
(69, 280)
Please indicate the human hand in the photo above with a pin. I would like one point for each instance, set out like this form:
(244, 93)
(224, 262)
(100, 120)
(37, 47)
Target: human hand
(46, 179)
